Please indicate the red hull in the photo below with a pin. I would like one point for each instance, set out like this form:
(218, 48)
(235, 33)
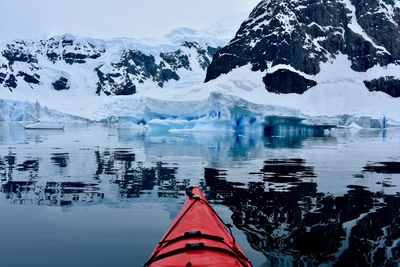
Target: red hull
(197, 237)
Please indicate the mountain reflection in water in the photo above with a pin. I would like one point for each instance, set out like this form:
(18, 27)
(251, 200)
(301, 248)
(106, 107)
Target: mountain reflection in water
(299, 201)
(302, 226)
(118, 165)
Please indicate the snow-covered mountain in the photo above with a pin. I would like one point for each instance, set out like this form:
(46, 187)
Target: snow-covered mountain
(112, 67)
(334, 63)
(289, 40)
(116, 67)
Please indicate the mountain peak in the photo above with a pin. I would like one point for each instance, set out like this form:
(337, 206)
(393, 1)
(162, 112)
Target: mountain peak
(218, 34)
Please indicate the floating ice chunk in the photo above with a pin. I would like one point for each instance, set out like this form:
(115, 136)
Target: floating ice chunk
(44, 126)
(159, 126)
(131, 123)
(354, 125)
(392, 123)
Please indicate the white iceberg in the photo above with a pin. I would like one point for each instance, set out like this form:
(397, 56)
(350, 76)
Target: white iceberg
(44, 126)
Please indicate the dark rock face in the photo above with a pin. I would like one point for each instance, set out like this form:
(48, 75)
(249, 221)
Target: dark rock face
(389, 85)
(212, 50)
(176, 59)
(363, 54)
(32, 79)
(69, 50)
(2, 77)
(287, 82)
(18, 52)
(61, 84)
(72, 58)
(108, 84)
(138, 65)
(54, 49)
(128, 89)
(380, 20)
(11, 82)
(306, 33)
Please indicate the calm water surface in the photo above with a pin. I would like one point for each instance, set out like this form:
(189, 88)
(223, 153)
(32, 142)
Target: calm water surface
(101, 196)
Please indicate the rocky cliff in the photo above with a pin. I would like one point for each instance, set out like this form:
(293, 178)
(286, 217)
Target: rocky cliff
(289, 40)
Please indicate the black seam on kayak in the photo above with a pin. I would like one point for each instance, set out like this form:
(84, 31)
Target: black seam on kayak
(194, 248)
(196, 235)
(236, 253)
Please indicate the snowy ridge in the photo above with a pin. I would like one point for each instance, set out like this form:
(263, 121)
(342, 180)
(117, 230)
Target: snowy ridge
(91, 66)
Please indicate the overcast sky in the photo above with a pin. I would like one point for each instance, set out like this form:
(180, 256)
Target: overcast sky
(111, 18)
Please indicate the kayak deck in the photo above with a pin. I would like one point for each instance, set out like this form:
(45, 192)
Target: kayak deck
(197, 237)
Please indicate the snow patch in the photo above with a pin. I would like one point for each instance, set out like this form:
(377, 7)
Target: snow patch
(290, 68)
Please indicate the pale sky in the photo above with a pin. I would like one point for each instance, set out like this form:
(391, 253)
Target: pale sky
(111, 18)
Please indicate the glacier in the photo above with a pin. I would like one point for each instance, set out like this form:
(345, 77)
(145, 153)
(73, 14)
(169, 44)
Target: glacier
(217, 113)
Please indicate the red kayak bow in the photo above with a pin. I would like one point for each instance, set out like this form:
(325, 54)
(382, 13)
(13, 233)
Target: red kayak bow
(197, 237)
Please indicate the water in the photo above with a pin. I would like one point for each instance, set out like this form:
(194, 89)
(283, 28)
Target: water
(100, 196)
